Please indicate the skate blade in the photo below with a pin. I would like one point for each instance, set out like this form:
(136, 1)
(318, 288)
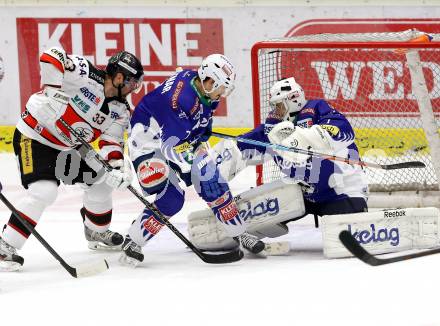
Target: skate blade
(128, 261)
(95, 245)
(10, 266)
(276, 248)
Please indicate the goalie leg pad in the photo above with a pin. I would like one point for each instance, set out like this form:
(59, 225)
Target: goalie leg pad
(261, 208)
(383, 231)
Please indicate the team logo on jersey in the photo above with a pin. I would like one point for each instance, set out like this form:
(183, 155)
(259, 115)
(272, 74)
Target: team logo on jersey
(331, 129)
(38, 128)
(229, 212)
(308, 111)
(82, 65)
(175, 97)
(182, 115)
(169, 83)
(182, 147)
(90, 96)
(58, 54)
(151, 224)
(114, 115)
(152, 172)
(195, 107)
(305, 123)
(222, 199)
(80, 103)
(83, 130)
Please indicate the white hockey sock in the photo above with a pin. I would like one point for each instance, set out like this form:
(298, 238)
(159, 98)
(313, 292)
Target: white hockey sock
(39, 195)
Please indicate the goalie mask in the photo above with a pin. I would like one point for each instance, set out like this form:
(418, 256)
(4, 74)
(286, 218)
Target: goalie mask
(221, 70)
(288, 96)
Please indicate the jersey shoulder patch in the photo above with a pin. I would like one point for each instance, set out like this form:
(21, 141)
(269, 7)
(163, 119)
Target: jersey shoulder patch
(55, 56)
(96, 74)
(333, 130)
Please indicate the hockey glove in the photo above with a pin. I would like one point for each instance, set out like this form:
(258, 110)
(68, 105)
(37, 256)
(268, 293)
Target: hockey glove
(313, 139)
(121, 175)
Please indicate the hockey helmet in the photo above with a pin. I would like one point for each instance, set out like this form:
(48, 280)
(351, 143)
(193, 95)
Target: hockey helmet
(290, 94)
(130, 66)
(220, 69)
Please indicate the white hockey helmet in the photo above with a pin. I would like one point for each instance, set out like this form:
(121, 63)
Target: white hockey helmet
(289, 93)
(220, 69)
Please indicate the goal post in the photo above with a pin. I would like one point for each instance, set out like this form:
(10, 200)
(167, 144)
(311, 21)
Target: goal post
(386, 84)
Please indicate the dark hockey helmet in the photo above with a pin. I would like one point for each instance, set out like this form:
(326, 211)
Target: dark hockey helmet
(127, 64)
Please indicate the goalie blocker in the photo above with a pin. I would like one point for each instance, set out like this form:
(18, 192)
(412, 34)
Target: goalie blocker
(262, 209)
(382, 231)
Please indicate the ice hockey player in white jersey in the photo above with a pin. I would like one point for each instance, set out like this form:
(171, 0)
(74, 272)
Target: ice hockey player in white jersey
(328, 187)
(93, 102)
(170, 126)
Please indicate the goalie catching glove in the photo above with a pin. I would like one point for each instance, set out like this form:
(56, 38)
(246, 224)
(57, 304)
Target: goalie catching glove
(313, 139)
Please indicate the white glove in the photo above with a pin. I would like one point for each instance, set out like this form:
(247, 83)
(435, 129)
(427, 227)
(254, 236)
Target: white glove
(121, 175)
(48, 107)
(314, 139)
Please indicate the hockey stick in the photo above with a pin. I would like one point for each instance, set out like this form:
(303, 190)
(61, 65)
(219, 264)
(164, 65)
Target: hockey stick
(228, 257)
(356, 249)
(82, 271)
(403, 165)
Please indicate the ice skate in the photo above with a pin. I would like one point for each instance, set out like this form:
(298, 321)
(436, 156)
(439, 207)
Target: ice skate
(107, 240)
(251, 243)
(131, 253)
(9, 260)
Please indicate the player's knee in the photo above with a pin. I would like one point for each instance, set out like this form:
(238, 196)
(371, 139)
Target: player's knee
(98, 192)
(44, 191)
(152, 173)
(171, 201)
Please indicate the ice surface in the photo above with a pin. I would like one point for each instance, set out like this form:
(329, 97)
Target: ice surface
(174, 287)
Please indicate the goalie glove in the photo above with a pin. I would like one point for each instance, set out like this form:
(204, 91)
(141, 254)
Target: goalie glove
(313, 139)
(49, 106)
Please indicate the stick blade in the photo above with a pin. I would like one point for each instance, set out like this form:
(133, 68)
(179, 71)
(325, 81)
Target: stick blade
(405, 165)
(356, 249)
(229, 257)
(91, 269)
(277, 248)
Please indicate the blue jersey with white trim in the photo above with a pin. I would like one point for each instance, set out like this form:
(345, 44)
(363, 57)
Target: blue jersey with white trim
(327, 180)
(175, 109)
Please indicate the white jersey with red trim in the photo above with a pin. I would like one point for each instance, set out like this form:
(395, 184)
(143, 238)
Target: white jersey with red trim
(88, 111)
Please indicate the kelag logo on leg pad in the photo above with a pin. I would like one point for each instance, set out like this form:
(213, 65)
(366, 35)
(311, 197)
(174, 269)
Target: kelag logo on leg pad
(373, 235)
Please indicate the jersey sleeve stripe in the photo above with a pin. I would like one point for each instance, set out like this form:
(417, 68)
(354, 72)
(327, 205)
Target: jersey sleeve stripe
(103, 143)
(49, 59)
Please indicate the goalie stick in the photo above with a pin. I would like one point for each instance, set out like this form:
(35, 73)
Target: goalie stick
(228, 257)
(356, 249)
(86, 270)
(402, 165)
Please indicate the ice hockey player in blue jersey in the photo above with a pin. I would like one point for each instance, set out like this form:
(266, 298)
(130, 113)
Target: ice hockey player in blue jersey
(329, 187)
(311, 185)
(168, 129)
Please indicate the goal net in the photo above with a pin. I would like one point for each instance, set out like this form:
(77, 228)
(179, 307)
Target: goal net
(386, 84)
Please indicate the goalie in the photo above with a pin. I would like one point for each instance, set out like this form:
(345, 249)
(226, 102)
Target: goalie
(312, 185)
